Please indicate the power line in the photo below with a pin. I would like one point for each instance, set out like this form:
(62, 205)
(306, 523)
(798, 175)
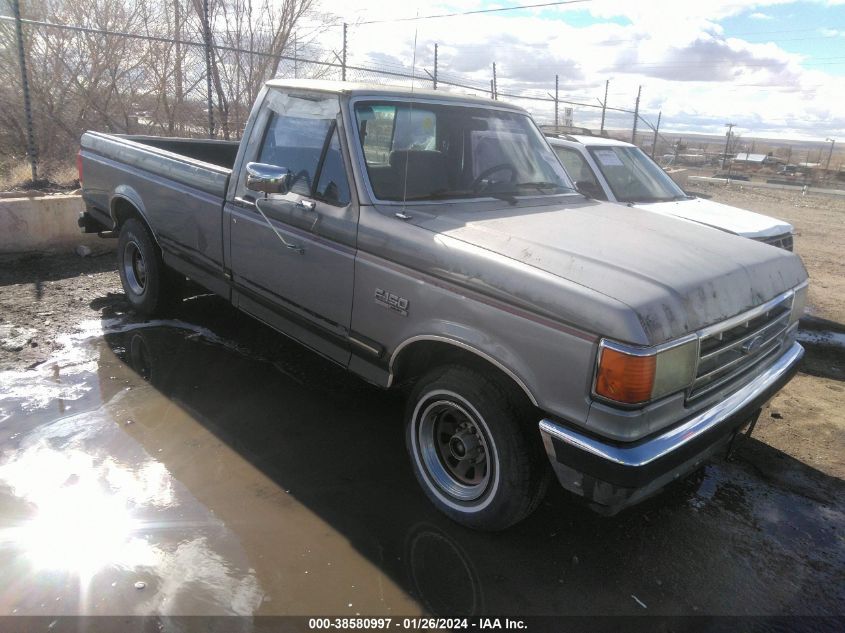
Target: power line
(382, 68)
(475, 12)
(460, 82)
(815, 28)
(718, 60)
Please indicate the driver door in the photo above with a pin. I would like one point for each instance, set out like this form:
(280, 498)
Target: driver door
(293, 254)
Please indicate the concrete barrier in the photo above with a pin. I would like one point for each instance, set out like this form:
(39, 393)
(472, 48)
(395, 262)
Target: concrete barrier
(45, 224)
(765, 185)
(679, 175)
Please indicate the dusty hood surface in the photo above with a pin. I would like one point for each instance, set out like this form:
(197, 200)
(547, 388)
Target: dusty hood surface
(675, 275)
(721, 216)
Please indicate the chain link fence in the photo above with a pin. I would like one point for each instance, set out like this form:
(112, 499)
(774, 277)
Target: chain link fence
(162, 69)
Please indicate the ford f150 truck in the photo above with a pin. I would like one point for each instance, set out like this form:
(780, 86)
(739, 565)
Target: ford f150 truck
(607, 169)
(434, 241)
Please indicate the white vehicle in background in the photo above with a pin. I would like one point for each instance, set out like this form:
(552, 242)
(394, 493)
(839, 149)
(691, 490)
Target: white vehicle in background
(607, 169)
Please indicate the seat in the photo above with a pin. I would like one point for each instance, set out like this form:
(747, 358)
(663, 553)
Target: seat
(426, 172)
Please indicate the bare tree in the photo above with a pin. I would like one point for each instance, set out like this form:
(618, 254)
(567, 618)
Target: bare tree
(152, 82)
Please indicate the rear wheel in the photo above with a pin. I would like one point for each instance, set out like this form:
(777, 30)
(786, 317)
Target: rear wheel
(150, 286)
(471, 449)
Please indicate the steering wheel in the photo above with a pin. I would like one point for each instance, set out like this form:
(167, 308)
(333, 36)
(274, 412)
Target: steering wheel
(476, 184)
(589, 189)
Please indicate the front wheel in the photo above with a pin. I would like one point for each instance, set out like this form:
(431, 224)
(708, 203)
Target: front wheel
(471, 450)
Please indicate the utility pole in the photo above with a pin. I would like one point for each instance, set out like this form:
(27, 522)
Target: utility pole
(830, 153)
(636, 115)
(656, 130)
(730, 127)
(495, 83)
(343, 57)
(295, 69)
(434, 78)
(178, 73)
(604, 103)
(27, 103)
(208, 61)
(492, 90)
(556, 101)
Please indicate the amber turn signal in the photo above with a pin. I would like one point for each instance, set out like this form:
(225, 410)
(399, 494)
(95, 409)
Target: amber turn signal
(624, 377)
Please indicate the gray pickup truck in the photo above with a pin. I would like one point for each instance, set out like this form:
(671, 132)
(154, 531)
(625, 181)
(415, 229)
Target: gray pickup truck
(434, 241)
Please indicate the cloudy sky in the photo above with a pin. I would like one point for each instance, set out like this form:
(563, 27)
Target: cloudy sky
(776, 68)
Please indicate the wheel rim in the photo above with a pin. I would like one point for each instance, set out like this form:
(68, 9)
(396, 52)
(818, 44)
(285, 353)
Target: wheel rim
(134, 268)
(454, 450)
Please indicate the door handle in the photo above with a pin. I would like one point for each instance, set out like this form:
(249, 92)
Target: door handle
(308, 205)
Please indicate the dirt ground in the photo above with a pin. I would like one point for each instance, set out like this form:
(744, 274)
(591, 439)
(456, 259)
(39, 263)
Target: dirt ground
(199, 398)
(44, 297)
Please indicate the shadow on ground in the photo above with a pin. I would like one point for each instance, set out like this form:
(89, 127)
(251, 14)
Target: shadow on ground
(757, 534)
(37, 269)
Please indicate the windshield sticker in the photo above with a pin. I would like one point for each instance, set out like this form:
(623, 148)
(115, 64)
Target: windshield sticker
(608, 158)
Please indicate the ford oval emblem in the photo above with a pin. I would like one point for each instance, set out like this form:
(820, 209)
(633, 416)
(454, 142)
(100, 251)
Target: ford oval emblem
(751, 345)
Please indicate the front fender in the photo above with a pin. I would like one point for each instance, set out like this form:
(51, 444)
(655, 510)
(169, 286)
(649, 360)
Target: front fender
(551, 361)
(469, 340)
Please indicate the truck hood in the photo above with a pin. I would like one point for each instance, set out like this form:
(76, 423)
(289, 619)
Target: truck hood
(676, 276)
(721, 216)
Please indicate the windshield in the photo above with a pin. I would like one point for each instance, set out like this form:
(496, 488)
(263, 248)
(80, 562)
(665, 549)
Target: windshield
(633, 176)
(428, 151)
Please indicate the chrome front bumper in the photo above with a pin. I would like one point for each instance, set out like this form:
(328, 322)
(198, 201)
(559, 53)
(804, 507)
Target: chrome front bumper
(616, 475)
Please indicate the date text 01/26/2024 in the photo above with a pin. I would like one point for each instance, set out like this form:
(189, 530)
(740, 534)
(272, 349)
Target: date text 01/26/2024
(416, 623)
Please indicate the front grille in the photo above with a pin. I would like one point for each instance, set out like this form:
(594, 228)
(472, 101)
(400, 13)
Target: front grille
(781, 241)
(729, 350)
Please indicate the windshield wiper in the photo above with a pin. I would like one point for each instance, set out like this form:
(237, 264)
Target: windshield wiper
(540, 185)
(648, 200)
(507, 197)
(442, 194)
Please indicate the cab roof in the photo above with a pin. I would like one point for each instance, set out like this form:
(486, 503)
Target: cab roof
(354, 89)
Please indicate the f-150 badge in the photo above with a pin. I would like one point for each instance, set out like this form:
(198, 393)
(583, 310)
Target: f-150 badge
(391, 301)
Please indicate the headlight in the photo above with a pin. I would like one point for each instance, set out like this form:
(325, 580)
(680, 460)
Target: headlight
(631, 375)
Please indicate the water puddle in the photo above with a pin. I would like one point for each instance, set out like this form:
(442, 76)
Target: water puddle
(162, 468)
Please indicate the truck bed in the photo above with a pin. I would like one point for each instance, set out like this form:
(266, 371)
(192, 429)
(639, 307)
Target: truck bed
(177, 185)
(213, 151)
(196, 163)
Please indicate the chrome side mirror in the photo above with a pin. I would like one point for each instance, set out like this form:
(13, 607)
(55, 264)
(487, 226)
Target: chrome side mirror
(267, 178)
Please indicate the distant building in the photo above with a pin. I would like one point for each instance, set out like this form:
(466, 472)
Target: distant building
(751, 159)
(685, 159)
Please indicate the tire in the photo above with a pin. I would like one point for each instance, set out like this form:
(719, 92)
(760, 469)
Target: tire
(473, 449)
(150, 287)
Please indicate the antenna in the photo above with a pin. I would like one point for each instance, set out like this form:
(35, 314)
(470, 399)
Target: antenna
(403, 215)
